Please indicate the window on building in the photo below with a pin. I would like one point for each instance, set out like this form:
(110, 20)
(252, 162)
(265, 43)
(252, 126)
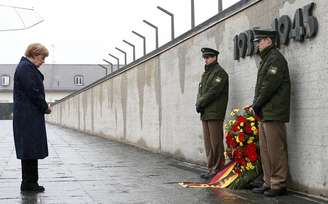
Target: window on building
(5, 80)
(78, 80)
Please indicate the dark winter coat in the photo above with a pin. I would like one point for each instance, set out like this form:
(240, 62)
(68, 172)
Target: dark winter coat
(29, 109)
(213, 92)
(272, 91)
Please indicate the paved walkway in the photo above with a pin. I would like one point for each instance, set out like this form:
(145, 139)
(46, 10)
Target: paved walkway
(87, 169)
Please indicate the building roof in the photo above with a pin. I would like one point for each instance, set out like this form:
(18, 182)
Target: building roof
(59, 77)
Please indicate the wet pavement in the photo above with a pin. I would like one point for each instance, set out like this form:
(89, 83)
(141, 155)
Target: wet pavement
(87, 169)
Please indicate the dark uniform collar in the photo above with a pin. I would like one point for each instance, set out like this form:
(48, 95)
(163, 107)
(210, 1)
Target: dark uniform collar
(265, 52)
(210, 66)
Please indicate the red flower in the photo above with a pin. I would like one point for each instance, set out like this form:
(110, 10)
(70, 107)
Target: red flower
(248, 129)
(241, 137)
(250, 152)
(241, 119)
(242, 162)
(235, 127)
(237, 154)
(231, 142)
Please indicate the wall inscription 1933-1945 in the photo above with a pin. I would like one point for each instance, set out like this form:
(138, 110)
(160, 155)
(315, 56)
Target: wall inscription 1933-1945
(303, 26)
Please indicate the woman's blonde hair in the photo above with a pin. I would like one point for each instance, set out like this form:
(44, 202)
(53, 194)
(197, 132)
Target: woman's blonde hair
(36, 49)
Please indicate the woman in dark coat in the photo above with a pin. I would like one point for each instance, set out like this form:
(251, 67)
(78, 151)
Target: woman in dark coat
(29, 109)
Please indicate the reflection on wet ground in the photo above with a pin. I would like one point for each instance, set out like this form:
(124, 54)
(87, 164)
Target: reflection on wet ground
(88, 169)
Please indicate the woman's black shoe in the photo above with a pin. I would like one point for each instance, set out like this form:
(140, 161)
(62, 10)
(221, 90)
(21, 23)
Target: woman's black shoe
(207, 175)
(32, 188)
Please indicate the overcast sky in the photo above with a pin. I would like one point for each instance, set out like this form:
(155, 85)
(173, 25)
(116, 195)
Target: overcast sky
(84, 31)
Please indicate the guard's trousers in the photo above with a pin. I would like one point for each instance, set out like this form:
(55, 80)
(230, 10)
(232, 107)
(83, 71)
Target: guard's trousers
(274, 155)
(213, 139)
(29, 171)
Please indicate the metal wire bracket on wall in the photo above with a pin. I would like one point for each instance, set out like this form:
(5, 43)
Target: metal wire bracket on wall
(17, 10)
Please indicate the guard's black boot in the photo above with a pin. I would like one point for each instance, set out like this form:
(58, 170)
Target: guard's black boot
(260, 190)
(207, 175)
(275, 192)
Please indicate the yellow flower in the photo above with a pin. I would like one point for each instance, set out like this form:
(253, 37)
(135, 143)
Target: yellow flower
(249, 166)
(236, 110)
(250, 140)
(251, 118)
(241, 124)
(252, 124)
(254, 128)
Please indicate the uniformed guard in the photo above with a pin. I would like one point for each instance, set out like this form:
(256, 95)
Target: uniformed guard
(212, 99)
(272, 104)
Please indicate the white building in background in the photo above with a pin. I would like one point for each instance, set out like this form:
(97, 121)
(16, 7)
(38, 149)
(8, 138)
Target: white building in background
(59, 79)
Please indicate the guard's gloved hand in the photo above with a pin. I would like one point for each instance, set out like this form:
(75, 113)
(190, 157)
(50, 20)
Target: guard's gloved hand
(199, 109)
(247, 107)
(257, 110)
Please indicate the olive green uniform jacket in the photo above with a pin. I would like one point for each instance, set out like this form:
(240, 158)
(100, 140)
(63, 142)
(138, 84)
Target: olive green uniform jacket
(213, 93)
(272, 91)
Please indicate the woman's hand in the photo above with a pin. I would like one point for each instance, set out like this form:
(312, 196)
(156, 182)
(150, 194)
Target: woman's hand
(49, 109)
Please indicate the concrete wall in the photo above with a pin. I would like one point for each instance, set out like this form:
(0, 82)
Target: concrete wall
(52, 96)
(152, 104)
